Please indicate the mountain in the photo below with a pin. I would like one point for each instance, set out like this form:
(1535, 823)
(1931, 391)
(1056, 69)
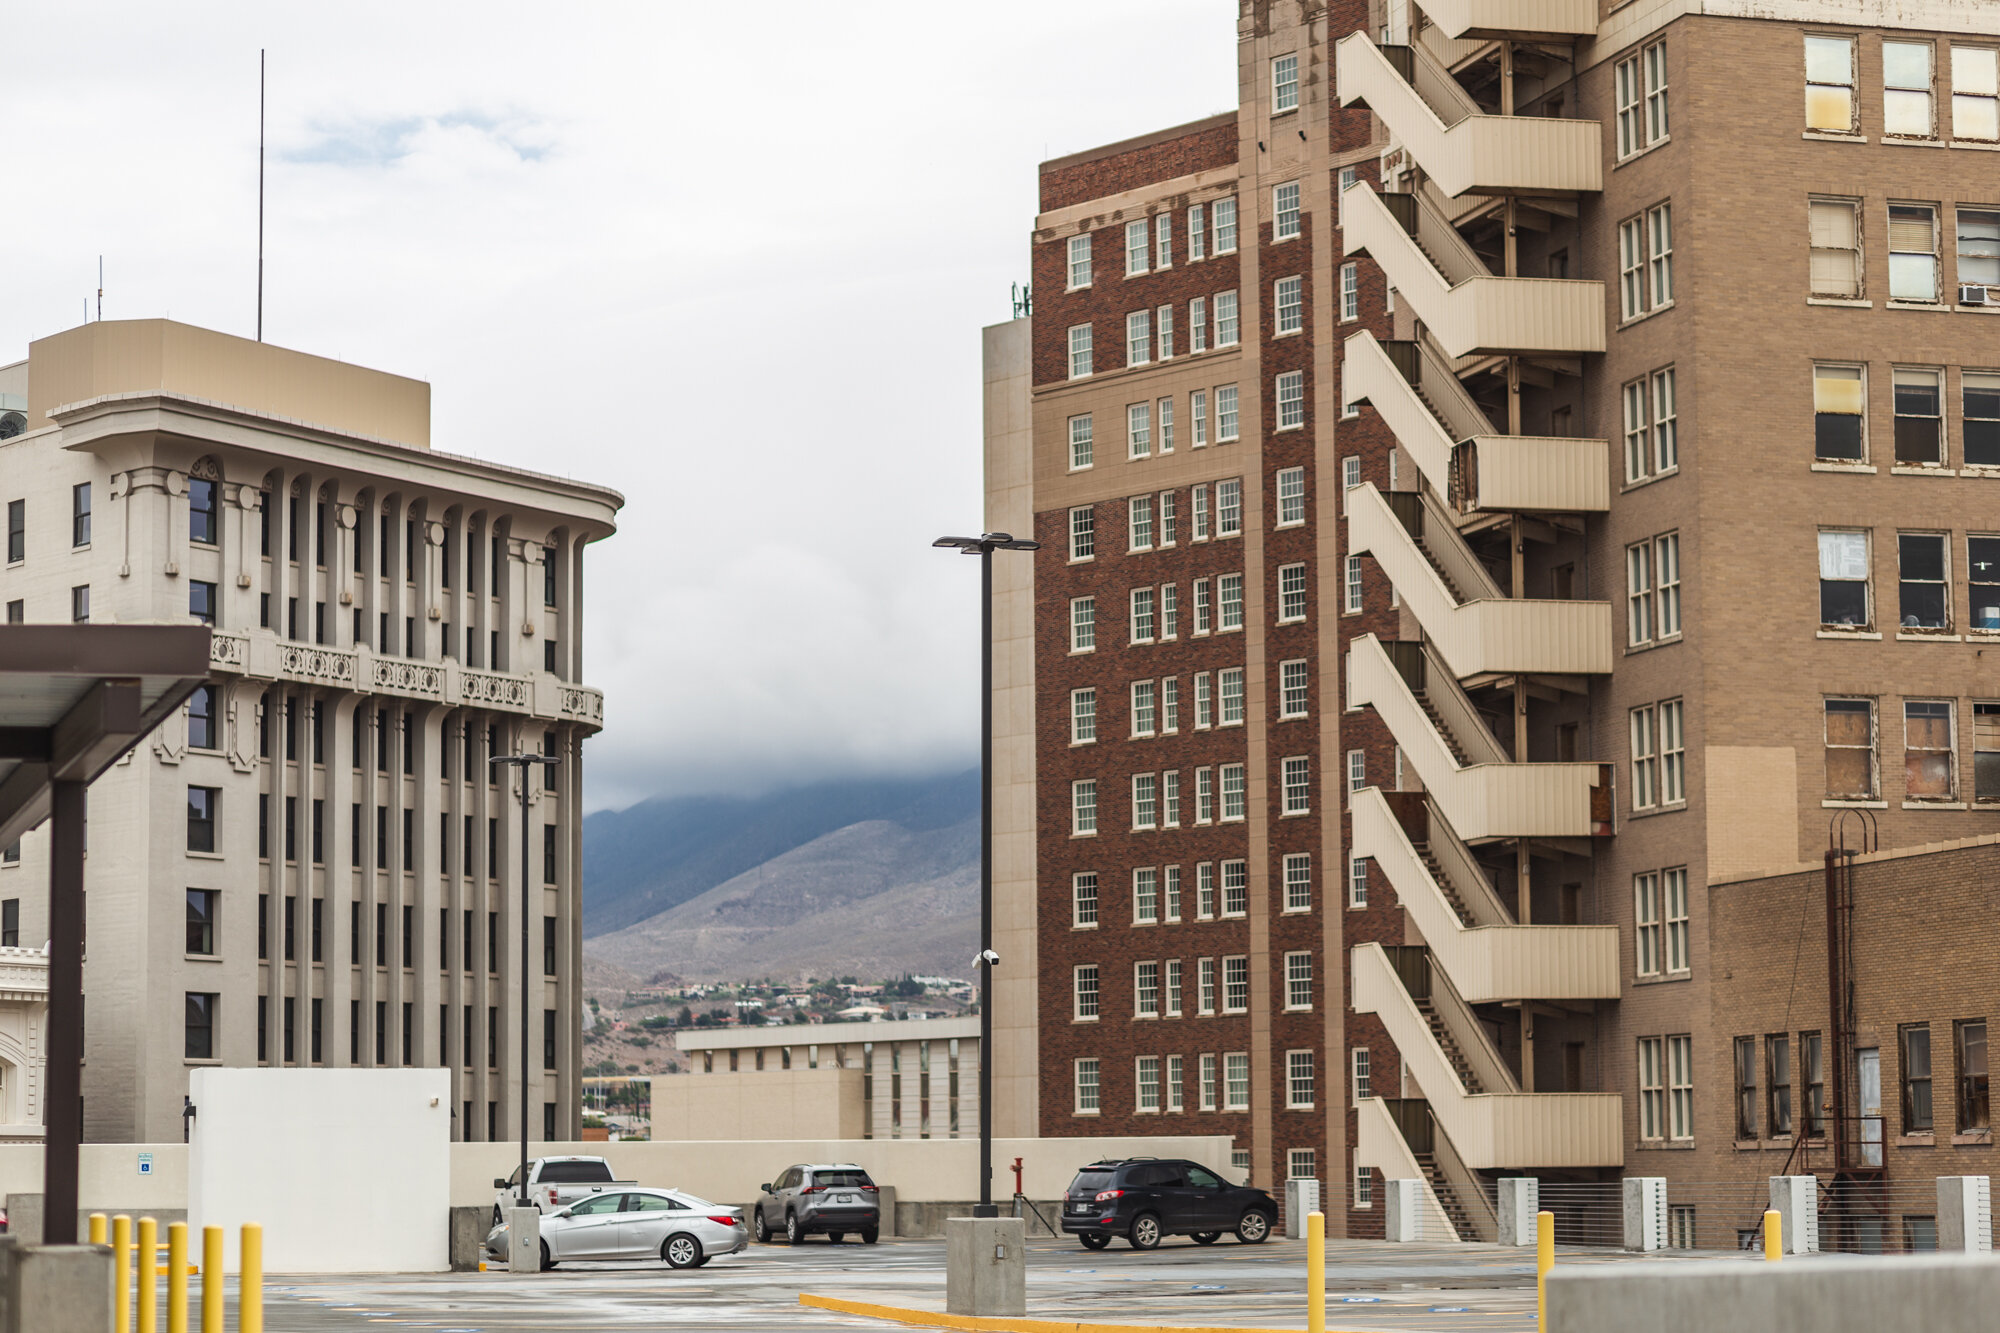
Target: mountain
(659, 854)
(874, 898)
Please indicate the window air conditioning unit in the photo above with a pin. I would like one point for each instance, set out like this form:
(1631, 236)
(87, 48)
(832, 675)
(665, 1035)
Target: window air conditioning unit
(1976, 296)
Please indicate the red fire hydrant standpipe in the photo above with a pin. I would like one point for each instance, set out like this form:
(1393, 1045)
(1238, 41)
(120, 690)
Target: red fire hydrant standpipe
(1017, 1175)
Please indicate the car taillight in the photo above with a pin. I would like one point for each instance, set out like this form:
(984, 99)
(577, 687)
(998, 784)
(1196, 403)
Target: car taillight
(1107, 1195)
(869, 1188)
(813, 1189)
(726, 1221)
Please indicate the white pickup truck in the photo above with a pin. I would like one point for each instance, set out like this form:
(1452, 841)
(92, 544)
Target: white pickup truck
(555, 1182)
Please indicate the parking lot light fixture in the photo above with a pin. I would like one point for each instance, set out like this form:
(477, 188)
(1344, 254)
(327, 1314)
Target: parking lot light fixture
(524, 762)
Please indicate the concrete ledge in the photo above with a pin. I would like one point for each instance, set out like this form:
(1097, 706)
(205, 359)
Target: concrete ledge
(1937, 1293)
(1003, 1324)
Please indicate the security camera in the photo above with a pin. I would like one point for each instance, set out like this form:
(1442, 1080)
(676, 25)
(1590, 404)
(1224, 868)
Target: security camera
(988, 957)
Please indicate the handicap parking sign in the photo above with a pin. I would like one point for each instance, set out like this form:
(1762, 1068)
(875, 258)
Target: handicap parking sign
(145, 1164)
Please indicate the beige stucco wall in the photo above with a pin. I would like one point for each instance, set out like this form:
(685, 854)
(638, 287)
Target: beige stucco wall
(773, 1104)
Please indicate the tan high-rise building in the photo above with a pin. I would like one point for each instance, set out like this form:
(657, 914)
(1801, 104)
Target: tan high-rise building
(1505, 492)
(314, 864)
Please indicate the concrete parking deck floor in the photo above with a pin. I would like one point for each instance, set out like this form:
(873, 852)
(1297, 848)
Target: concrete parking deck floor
(1372, 1287)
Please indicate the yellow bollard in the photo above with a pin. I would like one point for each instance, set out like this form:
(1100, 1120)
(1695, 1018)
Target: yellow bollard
(1774, 1235)
(212, 1297)
(250, 1281)
(149, 1268)
(121, 1259)
(177, 1277)
(97, 1222)
(1315, 1272)
(1545, 1259)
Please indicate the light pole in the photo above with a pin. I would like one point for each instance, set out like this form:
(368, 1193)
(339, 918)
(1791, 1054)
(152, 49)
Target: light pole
(524, 762)
(984, 547)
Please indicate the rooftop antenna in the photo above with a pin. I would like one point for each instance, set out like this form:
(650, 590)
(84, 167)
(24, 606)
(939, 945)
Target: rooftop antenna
(100, 287)
(260, 194)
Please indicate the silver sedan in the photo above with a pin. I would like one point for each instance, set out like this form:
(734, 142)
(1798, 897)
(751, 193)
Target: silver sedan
(680, 1228)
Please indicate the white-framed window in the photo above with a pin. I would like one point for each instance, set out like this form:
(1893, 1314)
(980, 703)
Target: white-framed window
(1236, 1081)
(1631, 114)
(1080, 450)
(1930, 750)
(1834, 232)
(1138, 337)
(1299, 1080)
(1146, 990)
(1163, 240)
(1142, 615)
(1350, 586)
(1638, 450)
(1235, 888)
(1666, 422)
(1204, 701)
(1298, 868)
(1170, 702)
(1083, 983)
(1083, 624)
(1225, 226)
(1083, 807)
(1291, 593)
(1840, 413)
(1350, 477)
(1173, 1009)
(1290, 300)
(1294, 689)
(1082, 716)
(1139, 523)
(1906, 90)
(1082, 533)
(1138, 247)
(1145, 715)
(1285, 212)
(1350, 292)
(1298, 785)
(1348, 176)
(1918, 394)
(1148, 1080)
(1667, 582)
(1163, 334)
(1227, 324)
(1208, 1088)
(1205, 986)
(1299, 979)
(1648, 122)
(1229, 695)
(1173, 913)
(1236, 984)
(1198, 416)
(1673, 752)
(1197, 231)
(1170, 611)
(1302, 1164)
(1647, 928)
(1978, 253)
(1145, 800)
(1364, 1187)
(1198, 324)
(1203, 607)
(1291, 496)
(1660, 255)
(1674, 888)
(1357, 881)
(1830, 83)
(1204, 810)
(1169, 519)
(1086, 1086)
(1975, 94)
(1079, 351)
(1225, 414)
(1079, 261)
(1232, 792)
(1652, 1088)
(1170, 817)
(1639, 593)
(1357, 770)
(1680, 1087)
(1844, 601)
(1632, 268)
(1292, 400)
(1175, 1096)
(1358, 1063)
(1229, 507)
(1913, 253)
(1850, 750)
(1083, 899)
(1285, 83)
(1645, 761)
(1229, 601)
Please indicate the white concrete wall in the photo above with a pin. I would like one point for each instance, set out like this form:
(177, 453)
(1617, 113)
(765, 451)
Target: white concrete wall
(107, 1175)
(349, 1170)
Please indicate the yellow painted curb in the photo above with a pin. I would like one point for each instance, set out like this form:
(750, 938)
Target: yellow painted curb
(999, 1324)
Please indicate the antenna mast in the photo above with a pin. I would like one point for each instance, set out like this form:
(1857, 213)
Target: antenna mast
(260, 196)
(100, 288)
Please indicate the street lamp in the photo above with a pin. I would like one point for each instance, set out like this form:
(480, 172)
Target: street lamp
(524, 762)
(984, 547)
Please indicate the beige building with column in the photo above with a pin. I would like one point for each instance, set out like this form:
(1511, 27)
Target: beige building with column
(314, 864)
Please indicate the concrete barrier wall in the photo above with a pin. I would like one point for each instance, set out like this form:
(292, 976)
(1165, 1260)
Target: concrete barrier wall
(1934, 1293)
(769, 1104)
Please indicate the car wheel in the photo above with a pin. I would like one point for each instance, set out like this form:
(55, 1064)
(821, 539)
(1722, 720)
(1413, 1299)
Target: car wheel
(793, 1235)
(868, 1236)
(547, 1262)
(497, 1219)
(704, 1259)
(1253, 1228)
(1145, 1232)
(1207, 1237)
(681, 1251)
(835, 1237)
(763, 1229)
(1093, 1240)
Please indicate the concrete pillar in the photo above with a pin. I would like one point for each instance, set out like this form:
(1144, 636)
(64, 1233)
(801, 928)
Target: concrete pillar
(1797, 1200)
(1301, 1197)
(524, 1240)
(1645, 1213)
(1520, 1199)
(55, 1286)
(1965, 1213)
(1403, 1210)
(986, 1266)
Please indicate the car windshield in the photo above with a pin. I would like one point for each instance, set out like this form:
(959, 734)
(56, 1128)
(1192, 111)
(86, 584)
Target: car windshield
(841, 1179)
(1090, 1182)
(575, 1173)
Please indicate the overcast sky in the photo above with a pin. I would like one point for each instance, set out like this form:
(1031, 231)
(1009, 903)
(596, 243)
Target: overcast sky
(730, 259)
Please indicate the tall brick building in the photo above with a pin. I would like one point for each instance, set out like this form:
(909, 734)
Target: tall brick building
(1497, 494)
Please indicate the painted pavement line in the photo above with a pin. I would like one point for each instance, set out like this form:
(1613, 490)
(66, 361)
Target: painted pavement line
(1001, 1324)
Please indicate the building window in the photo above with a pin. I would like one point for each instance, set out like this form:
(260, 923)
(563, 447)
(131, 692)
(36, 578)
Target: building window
(1913, 258)
(1350, 292)
(1829, 83)
(1778, 1084)
(1226, 327)
(1843, 580)
(1084, 980)
(199, 1041)
(1645, 761)
(1205, 972)
(1906, 90)
(1299, 1080)
(1919, 401)
(1652, 1088)
(1839, 413)
(1083, 897)
(1292, 487)
(1835, 263)
(1981, 401)
(1285, 210)
(1232, 792)
(1225, 414)
(1673, 753)
(201, 602)
(1978, 247)
(79, 604)
(1299, 980)
(1235, 888)
(1145, 801)
(1647, 928)
(1974, 1107)
(1632, 268)
(1746, 1087)
(17, 531)
(204, 811)
(1083, 624)
(1975, 79)
(1357, 770)
(1850, 749)
(1142, 615)
(1235, 985)
(1163, 243)
(1146, 990)
(1083, 533)
(1285, 84)
(1170, 619)
(1170, 699)
(1680, 1086)
(1922, 580)
(1291, 400)
(200, 920)
(1291, 307)
(1138, 247)
(1929, 751)
(1079, 261)
(1298, 786)
(1813, 1071)
(1086, 1087)
(201, 718)
(1915, 1041)
(1229, 601)
(1674, 885)
(1229, 691)
(1236, 1081)
(1666, 423)
(1225, 226)
(1298, 881)
(1667, 577)
(1139, 523)
(1198, 413)
(1079, 351)
(1204, 803)
(1080, 448)
(79, 516)
(1148, 1080)
(1655, 61)
(1986, 752)
(1357, 881)
(1293, 689)
(201, 511)
(1173, 972)
(1639, 593)
(1198, 339)
(1197, 232)
(1083, 807)
(1138, 337)
(1082, 716)
(1207, 1102)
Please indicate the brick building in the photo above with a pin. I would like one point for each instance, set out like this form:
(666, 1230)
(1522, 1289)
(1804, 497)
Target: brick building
(1468, 532)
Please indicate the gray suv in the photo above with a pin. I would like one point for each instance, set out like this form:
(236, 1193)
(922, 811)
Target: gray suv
(835, 1199)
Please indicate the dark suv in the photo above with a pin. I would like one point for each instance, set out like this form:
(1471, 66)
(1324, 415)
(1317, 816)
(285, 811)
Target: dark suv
(834, 1199)
(1145, 1198)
